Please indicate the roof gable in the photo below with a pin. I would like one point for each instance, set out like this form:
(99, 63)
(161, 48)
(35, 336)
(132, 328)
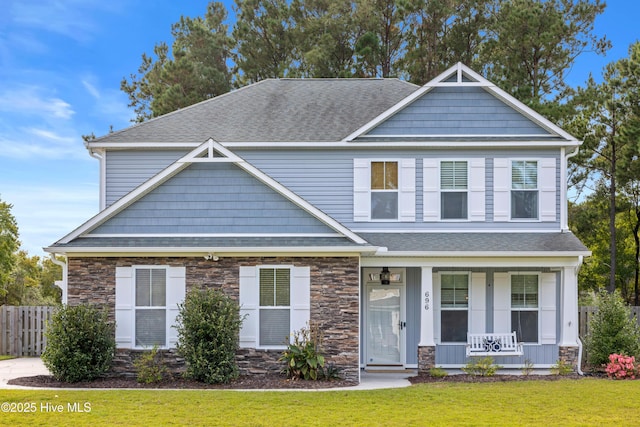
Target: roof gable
(461, 103)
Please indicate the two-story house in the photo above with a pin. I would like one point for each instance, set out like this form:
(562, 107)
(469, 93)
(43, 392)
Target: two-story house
(416, 226)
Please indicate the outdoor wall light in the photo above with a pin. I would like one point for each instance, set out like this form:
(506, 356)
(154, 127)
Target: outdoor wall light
(211, 257)
(385, 276)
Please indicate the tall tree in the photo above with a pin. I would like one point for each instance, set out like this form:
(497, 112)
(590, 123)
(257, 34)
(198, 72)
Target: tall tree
(264, 35)
(605, 112)
(9, 244)
(533, 43)
(197, 71)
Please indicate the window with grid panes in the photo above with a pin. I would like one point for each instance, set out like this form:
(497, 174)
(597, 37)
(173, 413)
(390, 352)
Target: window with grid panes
(454, 305)
(524, 306)
(275, 301)
(453, 190)
(150, 307)
(524, 189)
(384, 190)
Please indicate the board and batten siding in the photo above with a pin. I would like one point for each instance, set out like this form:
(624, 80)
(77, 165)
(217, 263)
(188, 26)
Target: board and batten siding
(213, 198)
(469, 110)
(127, 169)
(325, 179)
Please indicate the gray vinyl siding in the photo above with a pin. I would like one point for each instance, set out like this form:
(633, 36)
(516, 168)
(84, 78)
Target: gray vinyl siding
(127, 169)
(458, 110)
(325, 179)
(413, 290)
(213, 198)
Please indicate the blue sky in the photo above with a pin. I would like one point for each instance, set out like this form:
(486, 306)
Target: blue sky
(61, 63)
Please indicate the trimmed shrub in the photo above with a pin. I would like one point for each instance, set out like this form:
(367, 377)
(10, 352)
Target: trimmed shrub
(621, 367)
(483, 367)
(611, 330)
(80, 343)
(208, 327)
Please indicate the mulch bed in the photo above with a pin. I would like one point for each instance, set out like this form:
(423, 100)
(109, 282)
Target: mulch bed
(465, 378)
(250, 382)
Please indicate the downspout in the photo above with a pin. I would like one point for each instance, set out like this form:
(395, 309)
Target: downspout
(564, 214)
(62, 284)
(579, 367)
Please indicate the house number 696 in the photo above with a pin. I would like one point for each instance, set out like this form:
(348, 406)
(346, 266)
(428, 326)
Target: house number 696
(426, 300)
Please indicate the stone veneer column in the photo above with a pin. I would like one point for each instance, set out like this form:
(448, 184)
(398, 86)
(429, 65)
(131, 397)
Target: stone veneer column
(427, 345)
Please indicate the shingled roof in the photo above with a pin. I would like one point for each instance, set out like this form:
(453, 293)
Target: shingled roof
(275, 110)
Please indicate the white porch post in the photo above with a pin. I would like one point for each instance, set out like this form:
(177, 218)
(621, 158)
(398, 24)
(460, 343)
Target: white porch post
(426, 309)
(569, 317)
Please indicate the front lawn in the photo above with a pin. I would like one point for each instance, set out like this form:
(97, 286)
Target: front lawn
(563, 402)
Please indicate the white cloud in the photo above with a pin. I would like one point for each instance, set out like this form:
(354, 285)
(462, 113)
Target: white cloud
(91, 89)
(29, 100)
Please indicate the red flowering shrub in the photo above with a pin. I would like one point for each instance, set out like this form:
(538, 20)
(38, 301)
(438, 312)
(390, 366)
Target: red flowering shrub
(621, 367)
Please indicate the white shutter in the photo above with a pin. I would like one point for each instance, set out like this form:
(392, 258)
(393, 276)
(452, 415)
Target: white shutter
(476, 190)
(547, 299)
(547, 186)
(501, 303)
(361, 190)
(249, 302)
(501, 189)
(124, 307)
(478, 304)
(300, 297)
(407, 194)
(176, 284)
(431, 186)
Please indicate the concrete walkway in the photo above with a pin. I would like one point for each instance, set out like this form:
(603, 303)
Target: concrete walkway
(31, 366)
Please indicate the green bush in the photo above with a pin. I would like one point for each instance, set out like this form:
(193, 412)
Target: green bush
(80, 343)
(611, 330)
(150, 366)
(208, 327)
(561, 367)
(438, 372)
(483, 367)
(302, 357)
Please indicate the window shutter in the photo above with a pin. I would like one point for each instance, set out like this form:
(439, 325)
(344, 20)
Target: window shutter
(176, 290)
(300, 297)
(124, 307)
(547, 299)
(477, 190)
(501, 189)
(407, 196)
(249, 294)
(361, 190)
(478, 303)
(431, 185)
(547, 186)
(501, 303)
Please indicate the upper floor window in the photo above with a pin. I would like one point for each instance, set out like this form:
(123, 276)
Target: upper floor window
(384, 190)
(453, 190)
(524, 189)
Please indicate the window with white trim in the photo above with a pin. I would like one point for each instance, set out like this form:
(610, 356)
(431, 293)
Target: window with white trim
(275, 306)
(384, 190)
(150, 307)
(524, 189)
(453, 189)
(525, 306)
(454, 306)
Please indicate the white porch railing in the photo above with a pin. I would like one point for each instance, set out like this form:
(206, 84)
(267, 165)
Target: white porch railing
(494, 344)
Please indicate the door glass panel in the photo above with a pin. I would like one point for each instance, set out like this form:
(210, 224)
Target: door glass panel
(383, 326)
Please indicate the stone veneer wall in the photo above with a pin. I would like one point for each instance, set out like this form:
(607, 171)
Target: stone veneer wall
(569, 355)
(334, 300)
(426, 359)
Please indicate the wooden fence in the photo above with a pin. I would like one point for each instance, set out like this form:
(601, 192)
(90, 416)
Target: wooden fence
(586, 313)
(22, 329)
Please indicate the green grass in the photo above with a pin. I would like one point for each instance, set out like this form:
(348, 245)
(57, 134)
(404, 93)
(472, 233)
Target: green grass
(563, 402)
(6, 357)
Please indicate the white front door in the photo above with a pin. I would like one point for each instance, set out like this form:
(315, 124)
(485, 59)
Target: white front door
(385, 323)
